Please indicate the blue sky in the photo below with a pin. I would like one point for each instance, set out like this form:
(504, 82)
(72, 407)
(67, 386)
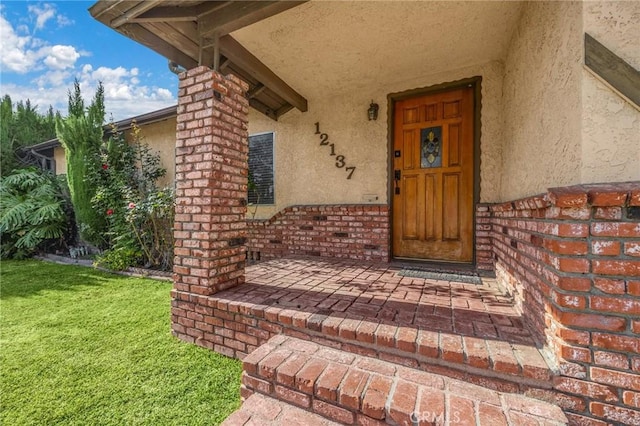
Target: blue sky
(45, 45)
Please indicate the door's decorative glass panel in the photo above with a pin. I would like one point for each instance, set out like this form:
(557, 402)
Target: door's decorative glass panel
(431, 147)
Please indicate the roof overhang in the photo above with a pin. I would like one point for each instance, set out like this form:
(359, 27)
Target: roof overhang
(192, 33)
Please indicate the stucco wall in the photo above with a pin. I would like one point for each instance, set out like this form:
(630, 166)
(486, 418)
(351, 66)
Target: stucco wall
(306, 174)
(161, 138)
(611, 126)
(542, 100)
(61, 161)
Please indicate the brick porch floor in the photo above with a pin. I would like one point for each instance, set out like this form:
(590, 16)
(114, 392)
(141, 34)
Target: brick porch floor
(466, 331)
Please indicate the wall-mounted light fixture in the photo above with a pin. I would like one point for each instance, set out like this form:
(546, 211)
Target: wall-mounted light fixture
(373, 111)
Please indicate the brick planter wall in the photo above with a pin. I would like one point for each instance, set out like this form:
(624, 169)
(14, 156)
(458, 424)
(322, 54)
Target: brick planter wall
(572, 256)
(211, 190)
(358, 232)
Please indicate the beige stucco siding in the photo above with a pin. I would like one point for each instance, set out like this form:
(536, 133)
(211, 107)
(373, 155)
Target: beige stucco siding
(60, 159)
(611, 125)
(542, 100)
(306, 173)
(161, 138)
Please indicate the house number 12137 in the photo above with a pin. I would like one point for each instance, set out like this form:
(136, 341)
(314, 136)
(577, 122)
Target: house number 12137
(340, 159)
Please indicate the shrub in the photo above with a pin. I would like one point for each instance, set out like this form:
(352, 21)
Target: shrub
(139, 216)
(32, 213)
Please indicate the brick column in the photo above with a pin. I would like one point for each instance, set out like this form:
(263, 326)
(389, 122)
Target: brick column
(211, 190)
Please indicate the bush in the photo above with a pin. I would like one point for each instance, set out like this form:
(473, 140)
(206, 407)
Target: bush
(32, 213)
(139, 215)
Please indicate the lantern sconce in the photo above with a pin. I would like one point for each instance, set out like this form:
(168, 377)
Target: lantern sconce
(373, 111)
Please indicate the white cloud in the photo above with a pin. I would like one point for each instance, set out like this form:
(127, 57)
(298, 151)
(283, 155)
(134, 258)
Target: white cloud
(42, 14)
(25, 53)
(54, 68)
(61, 57)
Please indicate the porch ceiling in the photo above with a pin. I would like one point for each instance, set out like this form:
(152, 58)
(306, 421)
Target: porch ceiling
(193, 33)
(347, 46)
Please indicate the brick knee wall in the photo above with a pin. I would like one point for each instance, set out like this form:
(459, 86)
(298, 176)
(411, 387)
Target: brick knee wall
(359, 232)
(572, 258)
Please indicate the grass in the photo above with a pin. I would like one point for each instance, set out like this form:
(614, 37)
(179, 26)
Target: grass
(79, 347)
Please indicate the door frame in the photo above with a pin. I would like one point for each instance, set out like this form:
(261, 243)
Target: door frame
(392, 98)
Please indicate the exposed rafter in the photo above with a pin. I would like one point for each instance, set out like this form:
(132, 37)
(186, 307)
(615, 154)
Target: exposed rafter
(193, 32)
(241, 14)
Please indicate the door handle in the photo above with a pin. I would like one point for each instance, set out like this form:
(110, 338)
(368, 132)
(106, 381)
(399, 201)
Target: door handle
(397, 175)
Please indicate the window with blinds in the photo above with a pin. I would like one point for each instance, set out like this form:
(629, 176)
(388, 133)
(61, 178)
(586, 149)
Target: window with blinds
(261, 176)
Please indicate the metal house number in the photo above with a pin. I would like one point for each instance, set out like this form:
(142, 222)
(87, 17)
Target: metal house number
(340, 159)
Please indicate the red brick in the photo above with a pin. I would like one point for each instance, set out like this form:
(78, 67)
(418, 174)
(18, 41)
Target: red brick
(576, 265)
(577, 419)
(523, 420)
(615, 229)
(616, 342)
(599, 322)
(607, 198)
(307, 376)
(334, 413)
(568, 197)
(607, 213)
(296, 398)
(611, 359)
(366, 331)
(328, 383)
(259, 385)
(406, 339)
(631, 398)
(566, 247)
(615, 305)
(267, 367)
(615, 378)
(403, 403)
(575, 336)
(375, 397)
(353, 385)
(632, 248)
(633, 288)
(569, 300)
(385, 335)
(574, 284)
(502, 357)
(451, 347)
(428, 343)
(476, 352)
(347, 328)
(576, 354)
(605, 248)
(461, 411)
(585, 388)
(330, 326)
(627, 268)
(618, 415)
(609, 285)
(431, 406)
(286, 372)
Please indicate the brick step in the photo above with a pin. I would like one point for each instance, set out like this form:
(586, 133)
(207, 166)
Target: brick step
(354, 389)
(504, 362)
(261, 410)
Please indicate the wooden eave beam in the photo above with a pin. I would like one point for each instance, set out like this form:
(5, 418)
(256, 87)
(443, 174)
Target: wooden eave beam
(132, 13)
(241, 14)
(176, 13)
(259, 106)
(244, 59)
(153, 42)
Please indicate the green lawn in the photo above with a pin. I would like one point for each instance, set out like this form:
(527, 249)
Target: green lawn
(79, 347)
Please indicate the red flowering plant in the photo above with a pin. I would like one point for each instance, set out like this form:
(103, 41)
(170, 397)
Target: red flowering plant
(125, 182)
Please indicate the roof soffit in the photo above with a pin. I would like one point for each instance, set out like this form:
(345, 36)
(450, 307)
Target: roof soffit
(193, 33)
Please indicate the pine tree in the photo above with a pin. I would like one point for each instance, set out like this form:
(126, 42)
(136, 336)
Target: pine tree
(81, 135)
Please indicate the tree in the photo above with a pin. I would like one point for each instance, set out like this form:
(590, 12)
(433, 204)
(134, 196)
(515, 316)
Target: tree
(80, 133)
(22, 127)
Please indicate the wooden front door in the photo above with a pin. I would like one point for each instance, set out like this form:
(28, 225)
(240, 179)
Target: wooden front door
(433, 174)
